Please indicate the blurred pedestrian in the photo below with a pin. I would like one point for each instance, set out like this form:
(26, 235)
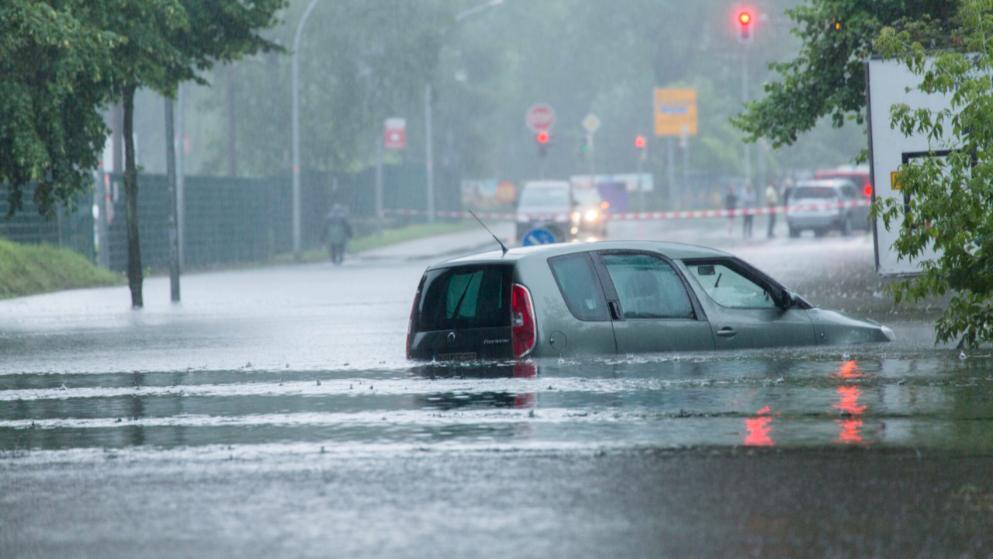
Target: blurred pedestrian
(771, 202)
(337, 231)
(749, 203)
(731, 204)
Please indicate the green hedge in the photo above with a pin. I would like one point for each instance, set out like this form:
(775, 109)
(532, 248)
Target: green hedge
(28, 269)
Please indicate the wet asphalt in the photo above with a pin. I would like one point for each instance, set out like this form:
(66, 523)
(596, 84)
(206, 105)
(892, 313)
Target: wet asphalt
(272, 413)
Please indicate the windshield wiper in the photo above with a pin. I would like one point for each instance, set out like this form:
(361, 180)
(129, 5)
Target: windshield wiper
(455, 313)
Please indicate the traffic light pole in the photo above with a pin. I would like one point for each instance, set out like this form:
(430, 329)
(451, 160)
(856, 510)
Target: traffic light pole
(746, 147)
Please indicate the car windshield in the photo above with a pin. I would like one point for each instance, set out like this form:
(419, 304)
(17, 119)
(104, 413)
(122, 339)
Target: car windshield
(587, 197)
(814, 193)
(537, 197)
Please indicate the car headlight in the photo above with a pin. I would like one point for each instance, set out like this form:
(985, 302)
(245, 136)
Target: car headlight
(576, 217)
(591, 215)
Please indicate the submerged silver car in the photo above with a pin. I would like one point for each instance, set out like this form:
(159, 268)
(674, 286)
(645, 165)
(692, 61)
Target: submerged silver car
(612, 297)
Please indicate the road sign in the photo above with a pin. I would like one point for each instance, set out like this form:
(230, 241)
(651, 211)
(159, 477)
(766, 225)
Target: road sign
(591, 123)
(889, 82)
(540, 118)
(538, 236)
(675, 111)
(395, 133)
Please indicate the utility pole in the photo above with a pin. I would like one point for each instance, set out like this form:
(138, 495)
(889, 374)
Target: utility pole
(379, 185)
(232, 122)
(173, 206)
(181, 173)
(428, 152)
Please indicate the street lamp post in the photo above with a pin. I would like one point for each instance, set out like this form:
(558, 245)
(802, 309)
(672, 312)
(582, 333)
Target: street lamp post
(428, 117)
(295, 117)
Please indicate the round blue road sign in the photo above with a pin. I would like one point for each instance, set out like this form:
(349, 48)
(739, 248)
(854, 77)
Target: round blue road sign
(538, 236)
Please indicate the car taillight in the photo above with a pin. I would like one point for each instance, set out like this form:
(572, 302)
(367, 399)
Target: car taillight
(524, 331)
(410, 323)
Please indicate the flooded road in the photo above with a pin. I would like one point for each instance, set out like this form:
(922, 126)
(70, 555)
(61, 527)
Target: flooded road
(275, 409)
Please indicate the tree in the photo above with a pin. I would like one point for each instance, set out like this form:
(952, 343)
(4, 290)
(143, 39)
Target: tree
(827, 77)
(951, 198)
(52, 67)
(161, 44)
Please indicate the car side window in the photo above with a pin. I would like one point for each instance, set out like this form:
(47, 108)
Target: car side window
(730, 288)
(647, 287)
(579, 285)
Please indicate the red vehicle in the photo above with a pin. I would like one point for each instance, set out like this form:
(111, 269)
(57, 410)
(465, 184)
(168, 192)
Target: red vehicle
(857, 174)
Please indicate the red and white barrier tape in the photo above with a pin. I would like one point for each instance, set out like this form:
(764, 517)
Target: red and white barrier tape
(650, 216)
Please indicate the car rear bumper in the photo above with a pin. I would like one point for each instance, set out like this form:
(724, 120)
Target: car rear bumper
(813, 221)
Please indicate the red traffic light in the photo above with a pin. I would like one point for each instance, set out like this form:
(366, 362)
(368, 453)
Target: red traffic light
(542, 137)
(639, 142)
(745, 20)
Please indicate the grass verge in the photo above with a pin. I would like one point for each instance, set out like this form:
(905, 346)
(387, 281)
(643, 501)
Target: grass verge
(389, 237)
(29, 269)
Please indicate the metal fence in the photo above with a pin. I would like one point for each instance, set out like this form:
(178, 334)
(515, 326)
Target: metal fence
(227, 219)
(70, 227)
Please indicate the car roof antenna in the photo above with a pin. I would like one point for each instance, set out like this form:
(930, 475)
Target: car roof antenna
(503, 247)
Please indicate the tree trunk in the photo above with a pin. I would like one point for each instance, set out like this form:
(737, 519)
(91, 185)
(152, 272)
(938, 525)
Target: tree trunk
(131, 195)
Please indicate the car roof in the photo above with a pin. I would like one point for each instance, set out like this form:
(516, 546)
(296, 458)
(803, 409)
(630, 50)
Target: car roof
(672, 250)
(829, 183)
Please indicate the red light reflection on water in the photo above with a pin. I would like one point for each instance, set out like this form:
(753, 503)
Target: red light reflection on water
(759, 428)
(849, 370)
(525, 369)
(850, 428)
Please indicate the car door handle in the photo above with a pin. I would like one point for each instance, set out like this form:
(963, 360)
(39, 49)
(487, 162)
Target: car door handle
(727, 332)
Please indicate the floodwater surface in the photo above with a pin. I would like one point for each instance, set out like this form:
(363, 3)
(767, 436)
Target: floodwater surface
(311, 359)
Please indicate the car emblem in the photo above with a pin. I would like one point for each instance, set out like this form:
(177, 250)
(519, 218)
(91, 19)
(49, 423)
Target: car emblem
(451, 337)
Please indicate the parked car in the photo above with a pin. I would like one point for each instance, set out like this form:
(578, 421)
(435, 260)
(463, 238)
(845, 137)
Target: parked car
(612, 298)
(858, 174)
(547, 204)
(824, 205)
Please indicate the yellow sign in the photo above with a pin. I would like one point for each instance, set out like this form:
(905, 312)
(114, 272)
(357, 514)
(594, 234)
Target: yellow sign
(895, 183)
(675, 112)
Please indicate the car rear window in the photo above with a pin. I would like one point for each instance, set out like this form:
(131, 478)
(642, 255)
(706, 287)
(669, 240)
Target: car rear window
(579, 286)
(465, 297)
(814, 192)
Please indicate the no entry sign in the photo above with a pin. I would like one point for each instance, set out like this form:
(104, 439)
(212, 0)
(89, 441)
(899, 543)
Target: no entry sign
(540, 118)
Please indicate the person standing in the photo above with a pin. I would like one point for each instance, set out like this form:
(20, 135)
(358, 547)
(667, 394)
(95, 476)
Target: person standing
(731, 204)
(749, 203)
(337, 231)
(771, 202)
